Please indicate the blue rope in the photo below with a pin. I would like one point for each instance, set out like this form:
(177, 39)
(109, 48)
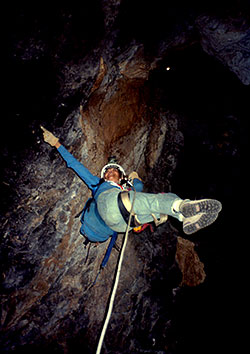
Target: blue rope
(109, 249)
(106, 257)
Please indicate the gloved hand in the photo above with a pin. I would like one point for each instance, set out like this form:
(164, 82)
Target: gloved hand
(49, 137)
(134, 175)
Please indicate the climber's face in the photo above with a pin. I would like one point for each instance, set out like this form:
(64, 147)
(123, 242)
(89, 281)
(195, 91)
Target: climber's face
(112, 174)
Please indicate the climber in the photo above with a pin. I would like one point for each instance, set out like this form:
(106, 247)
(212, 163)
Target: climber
(108, 210)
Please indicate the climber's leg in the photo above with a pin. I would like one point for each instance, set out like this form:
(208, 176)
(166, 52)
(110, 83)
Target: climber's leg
(145, 205)
(149, 203)
(195, 215)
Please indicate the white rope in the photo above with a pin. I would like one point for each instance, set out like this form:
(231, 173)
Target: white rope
(112, 297)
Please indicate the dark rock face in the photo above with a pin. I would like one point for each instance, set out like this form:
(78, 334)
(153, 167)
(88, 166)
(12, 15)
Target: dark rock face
(228, 41)
(109, 91)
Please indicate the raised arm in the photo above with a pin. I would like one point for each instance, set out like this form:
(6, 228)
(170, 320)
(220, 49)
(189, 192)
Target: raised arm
(71, 161)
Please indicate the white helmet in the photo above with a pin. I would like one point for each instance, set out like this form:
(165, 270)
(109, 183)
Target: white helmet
(113, 165)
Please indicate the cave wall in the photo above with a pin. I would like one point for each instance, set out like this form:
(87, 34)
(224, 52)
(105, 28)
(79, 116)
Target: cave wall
(106, 103)
(51, 284)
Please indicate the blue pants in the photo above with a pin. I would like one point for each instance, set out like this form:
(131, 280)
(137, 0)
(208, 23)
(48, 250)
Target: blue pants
(145, 205)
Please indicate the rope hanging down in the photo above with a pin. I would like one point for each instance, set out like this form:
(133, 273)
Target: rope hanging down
(117, 276)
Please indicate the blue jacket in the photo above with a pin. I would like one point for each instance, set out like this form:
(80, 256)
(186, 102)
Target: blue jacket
(93, 227)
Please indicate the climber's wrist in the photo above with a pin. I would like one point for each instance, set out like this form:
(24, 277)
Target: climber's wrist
(58, 144)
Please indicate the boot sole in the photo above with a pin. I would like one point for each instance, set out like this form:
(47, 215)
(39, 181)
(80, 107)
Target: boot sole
(210, 206)
(204, 220)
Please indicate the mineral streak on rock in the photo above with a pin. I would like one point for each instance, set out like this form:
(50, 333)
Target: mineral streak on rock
(191, 267)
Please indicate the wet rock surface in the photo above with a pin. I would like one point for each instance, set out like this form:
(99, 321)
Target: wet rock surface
(109, 92)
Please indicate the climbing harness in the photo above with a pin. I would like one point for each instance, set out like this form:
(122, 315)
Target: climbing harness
(163, 218)
(125, 207)
(117, 276)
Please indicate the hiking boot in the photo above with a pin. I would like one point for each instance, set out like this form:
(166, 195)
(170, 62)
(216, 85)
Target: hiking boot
(197, 222)
(190, 208)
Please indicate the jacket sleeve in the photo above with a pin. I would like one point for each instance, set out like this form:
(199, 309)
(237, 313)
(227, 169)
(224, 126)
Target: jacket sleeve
(138, 185)
(78, 167)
